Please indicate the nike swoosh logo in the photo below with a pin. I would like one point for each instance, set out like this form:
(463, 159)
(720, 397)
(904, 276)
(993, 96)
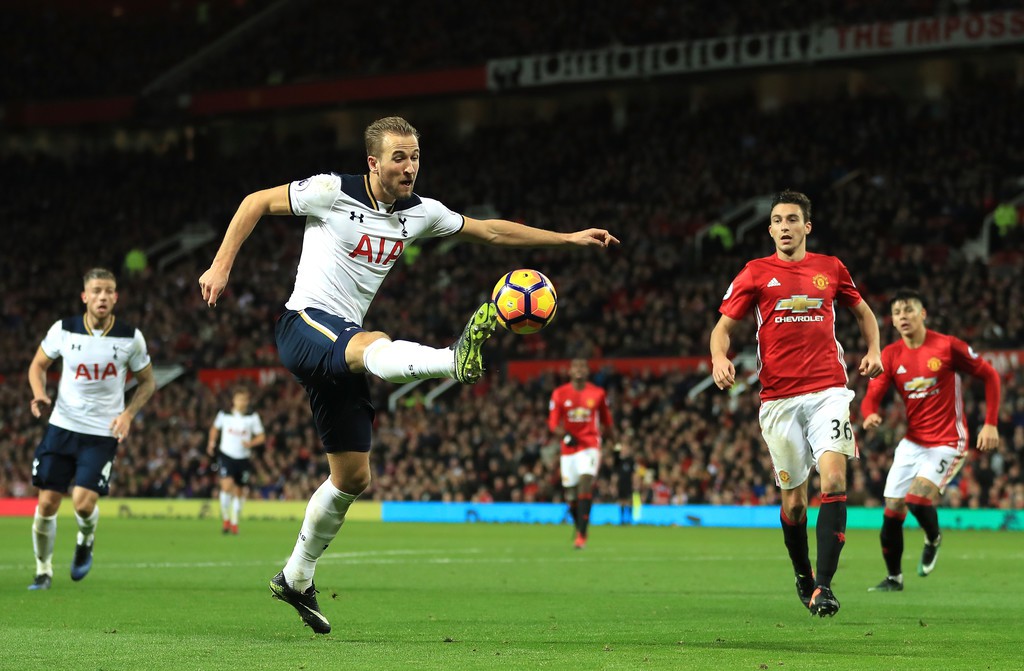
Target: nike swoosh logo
(322, 618)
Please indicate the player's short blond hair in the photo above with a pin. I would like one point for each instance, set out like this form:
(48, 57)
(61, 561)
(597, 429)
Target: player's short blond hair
(98, 274)
(376, 131)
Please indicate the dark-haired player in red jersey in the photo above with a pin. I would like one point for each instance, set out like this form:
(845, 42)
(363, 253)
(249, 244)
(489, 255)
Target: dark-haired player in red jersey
(579, 409)
(924, 367)
(805, 403)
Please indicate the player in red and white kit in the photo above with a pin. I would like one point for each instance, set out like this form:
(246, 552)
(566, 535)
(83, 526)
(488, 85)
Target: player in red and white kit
(924, 366)
(805, 403)
(579, 409)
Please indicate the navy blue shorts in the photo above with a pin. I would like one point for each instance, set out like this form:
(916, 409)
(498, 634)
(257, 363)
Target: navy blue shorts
(311, 344)
(236, 469)
(65, 456)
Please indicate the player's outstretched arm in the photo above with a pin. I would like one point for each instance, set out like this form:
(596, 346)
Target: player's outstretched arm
(722, 370)
(871, 364)
(500, 232)
(269, 201)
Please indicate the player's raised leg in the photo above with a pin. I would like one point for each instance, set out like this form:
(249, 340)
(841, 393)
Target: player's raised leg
(403, 361)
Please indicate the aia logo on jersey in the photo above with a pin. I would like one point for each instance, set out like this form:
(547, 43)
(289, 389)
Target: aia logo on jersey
(799, 305)
(374, 253)
(934, 364)
(921, 387)
(92, 372)
(819, 281)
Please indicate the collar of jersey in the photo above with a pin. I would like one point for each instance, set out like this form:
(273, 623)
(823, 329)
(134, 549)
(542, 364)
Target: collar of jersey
(364, 194)
(89, 331)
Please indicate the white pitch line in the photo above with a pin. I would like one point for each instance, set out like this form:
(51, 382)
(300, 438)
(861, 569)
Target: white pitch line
(399, 557)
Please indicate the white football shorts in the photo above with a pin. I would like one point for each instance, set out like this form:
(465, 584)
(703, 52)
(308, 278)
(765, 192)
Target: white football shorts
(937, 465)
(584, 462)
(799, 429)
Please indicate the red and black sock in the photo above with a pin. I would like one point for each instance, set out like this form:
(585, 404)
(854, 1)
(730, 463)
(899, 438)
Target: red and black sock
(892, 541)
(923, 510)
(573, 505)
(583, 514)
(795, 534)
(831, 533)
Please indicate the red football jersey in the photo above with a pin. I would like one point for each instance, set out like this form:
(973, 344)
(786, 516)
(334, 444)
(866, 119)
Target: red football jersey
(794, 304)
(580, 413)
(927, 379)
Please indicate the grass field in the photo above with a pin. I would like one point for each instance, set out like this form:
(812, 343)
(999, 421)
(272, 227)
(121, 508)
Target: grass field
(175, 594)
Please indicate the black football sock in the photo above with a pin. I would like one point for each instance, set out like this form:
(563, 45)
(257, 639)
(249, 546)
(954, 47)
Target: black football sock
(583, 513)
(795, 534)
(892, 541)
(925, 514)
(831, 533)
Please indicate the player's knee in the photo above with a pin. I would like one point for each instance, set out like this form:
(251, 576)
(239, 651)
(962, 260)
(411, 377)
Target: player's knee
(832, 482)
(352, 483)
(896, 506)
(795, 511)
(355, 352)
(85, 509)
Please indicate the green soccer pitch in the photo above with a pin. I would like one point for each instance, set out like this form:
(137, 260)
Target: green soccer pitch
(176, 594)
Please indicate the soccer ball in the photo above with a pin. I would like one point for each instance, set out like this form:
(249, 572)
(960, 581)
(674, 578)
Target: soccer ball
(525, 300)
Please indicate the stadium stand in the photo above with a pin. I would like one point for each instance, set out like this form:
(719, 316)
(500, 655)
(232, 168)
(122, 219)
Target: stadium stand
(901, 185)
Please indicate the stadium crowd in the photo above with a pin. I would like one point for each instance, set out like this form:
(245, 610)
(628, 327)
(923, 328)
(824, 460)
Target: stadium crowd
(898, 188)
(238, 43)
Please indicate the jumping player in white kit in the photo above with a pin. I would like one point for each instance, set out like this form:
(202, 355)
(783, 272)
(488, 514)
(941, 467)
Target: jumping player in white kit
(357, 227)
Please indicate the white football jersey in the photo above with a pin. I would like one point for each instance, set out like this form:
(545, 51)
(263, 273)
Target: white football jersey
(93, 372)
(235, 429)
(351, 243)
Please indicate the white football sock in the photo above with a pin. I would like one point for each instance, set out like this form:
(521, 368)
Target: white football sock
(404, 361)
(325, 513)
(87, 526)
(225, 505)
(236, 509)
(44, 535)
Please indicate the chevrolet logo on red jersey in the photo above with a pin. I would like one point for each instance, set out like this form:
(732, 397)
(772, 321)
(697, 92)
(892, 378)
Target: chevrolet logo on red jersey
(919, 383)
(799, 304)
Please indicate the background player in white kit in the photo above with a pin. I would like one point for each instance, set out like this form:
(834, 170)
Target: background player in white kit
(356, 228)
(89, 419)
(238, 431)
